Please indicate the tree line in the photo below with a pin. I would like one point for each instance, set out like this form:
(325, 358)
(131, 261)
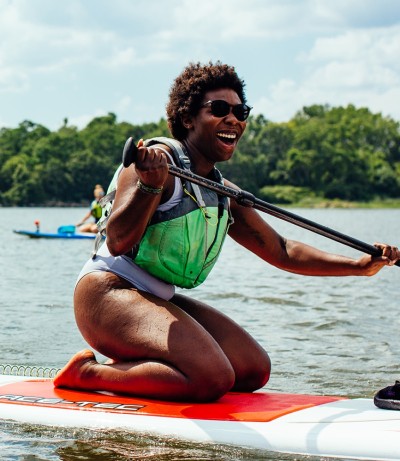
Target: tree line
(344, 153)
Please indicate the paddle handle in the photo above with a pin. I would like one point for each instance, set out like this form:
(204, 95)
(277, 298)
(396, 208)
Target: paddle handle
(129, 154)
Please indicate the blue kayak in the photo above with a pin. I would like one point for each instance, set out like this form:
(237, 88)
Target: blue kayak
(63, 232)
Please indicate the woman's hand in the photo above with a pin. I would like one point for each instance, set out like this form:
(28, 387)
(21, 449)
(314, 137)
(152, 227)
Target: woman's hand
(151, 166)
(370, 265)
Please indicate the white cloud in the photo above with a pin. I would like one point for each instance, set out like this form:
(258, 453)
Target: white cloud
(375, 45)
(296, 52)
(360, 66)
(358, 59)
(82, 120)
(287, 96)
(352, 76)
(358, 13)
(231, 20)
(13, 80)
(121, 58)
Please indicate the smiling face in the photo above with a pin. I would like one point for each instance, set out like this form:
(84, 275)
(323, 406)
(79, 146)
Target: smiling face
(215, 138)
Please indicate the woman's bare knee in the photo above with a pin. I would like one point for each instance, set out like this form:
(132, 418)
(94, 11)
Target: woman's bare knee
(213, 386)
(254, 376)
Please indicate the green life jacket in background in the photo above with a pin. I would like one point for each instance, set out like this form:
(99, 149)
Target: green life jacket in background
(181, 245)
(96, 210)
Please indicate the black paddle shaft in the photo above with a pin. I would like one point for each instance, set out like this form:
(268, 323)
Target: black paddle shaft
(245, 198)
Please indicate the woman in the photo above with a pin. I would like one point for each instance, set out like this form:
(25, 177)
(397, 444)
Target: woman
(162, 344)
(95, 211)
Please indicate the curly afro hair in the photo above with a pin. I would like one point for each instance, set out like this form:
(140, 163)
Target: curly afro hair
(187, 91)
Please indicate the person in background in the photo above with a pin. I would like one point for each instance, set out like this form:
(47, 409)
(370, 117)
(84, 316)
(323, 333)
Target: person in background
(163, 233)
(95, 212)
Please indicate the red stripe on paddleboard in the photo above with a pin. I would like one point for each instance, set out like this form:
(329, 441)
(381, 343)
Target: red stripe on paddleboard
(259, 406)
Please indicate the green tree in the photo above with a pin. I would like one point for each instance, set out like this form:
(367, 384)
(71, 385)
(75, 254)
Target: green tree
(24, 188)
(341, 152)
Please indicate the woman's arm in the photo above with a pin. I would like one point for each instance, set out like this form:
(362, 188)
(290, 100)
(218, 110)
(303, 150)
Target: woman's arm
(85, 218)
(251, 231)
(134, 206)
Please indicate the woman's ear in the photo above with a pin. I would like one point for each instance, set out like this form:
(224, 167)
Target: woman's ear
(187, 123)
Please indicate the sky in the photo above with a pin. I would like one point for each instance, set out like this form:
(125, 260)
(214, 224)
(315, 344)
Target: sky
(79, 59)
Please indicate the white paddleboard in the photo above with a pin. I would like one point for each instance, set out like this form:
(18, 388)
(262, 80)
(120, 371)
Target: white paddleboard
(290, 423)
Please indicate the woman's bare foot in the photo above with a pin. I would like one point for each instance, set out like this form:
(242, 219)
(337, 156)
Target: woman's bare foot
(71, 375)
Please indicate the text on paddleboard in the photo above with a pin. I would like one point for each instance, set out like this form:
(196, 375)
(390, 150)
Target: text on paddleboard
(80, 404)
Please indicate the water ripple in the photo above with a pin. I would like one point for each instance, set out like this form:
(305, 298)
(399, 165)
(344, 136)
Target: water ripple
(336, 336)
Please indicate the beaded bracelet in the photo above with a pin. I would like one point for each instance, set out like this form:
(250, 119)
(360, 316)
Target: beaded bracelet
(149, 189)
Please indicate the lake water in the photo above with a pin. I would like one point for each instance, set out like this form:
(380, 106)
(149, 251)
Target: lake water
(336, 336)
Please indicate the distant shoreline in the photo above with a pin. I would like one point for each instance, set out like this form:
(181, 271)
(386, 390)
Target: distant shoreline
(325, 203)
(307, 203)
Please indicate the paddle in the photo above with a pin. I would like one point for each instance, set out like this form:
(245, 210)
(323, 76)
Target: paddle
(245, 198)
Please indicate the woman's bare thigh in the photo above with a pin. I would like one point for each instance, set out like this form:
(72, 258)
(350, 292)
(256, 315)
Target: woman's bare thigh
(249, 360)
(126, 324)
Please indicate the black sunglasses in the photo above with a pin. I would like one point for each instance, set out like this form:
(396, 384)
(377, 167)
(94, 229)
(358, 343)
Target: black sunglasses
(221, 108)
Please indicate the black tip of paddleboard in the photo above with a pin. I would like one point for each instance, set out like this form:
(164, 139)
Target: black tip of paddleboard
(388, 398)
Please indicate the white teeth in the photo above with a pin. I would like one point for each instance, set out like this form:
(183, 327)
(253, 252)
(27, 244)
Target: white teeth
(227, 135)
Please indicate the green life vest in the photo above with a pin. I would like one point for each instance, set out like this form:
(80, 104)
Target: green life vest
(181, 245)
(96, 210)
